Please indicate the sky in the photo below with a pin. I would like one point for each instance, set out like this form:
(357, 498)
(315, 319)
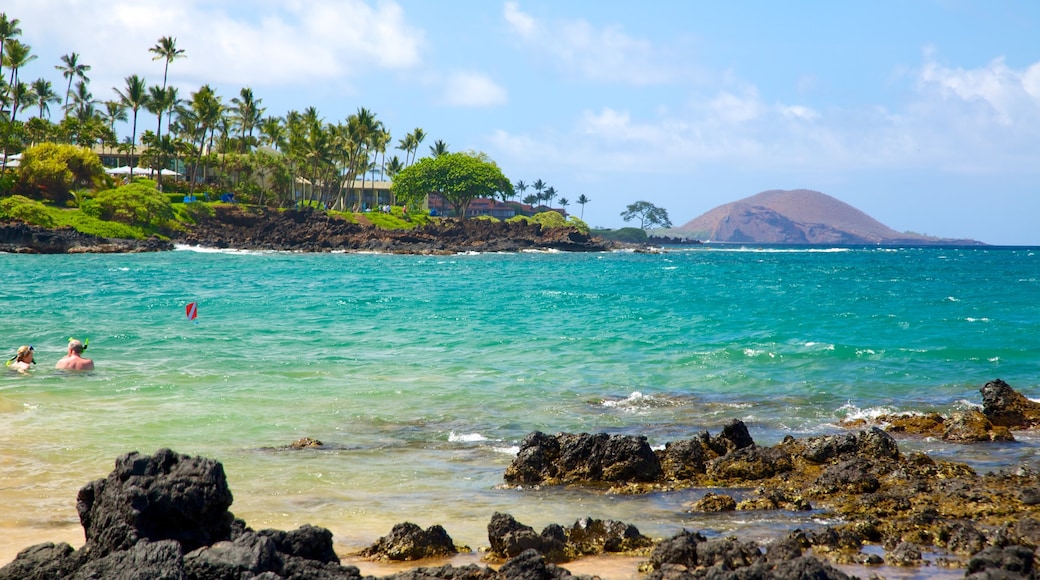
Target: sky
(924, 114)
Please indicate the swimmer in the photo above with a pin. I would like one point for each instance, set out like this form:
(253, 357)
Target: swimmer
(74, 360)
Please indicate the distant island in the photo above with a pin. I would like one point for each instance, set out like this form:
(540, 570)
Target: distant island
(799, 216)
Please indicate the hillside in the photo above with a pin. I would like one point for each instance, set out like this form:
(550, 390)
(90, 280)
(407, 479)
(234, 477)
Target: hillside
(798, 216)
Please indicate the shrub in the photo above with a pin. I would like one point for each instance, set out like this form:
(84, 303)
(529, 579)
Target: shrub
(135, 205)
(82, 222)
(19, 207)
(550, 219)
(53, 169)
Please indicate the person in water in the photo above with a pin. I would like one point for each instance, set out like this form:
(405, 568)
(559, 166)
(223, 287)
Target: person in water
(22, 360)
(74, 360)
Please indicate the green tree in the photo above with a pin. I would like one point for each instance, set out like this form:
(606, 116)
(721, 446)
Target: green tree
(248, 115)
(53, 170)
(133, 97)
(649, 215)
(71, 68)
(438, 148)
(538, 186)
(44, 95)
(457, 177)
(8, 30)
(582, 200)
(519, 188)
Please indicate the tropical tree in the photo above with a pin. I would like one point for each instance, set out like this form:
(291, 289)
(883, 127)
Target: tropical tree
(18, 54)
(438, 148)
(457, 177)
(519, 188)
(550, 195)
(393, 166)
(44, 95)
(159, 101)
(538, 186)
(419, 136)
(248, 114)
(649, 215)
(133, 97)
(582, 200)
(272, 129)
(564, 202)
(166, 49)
(20, 96)
(71, 69)
(207, 110)
(8, 30)
(82, 102)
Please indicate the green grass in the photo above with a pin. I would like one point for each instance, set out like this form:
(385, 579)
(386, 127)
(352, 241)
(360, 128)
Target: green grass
(86, 224)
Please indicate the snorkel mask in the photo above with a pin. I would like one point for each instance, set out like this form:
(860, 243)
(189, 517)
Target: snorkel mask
(15, 357)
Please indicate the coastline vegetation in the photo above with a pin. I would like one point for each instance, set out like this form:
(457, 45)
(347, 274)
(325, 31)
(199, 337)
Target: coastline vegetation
(203, 148)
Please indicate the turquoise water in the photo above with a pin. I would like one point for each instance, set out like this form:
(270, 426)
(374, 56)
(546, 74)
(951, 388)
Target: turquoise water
(422, 374)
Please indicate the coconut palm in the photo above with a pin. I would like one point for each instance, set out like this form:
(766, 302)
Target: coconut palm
(393, 166)
(20, 95)
(550, 195)
(44, 95)
(538, 186)
(419, 135)
(8, 30)
(166, 49)
(438, 148)
(582, 200)
(133, 97)
(406, 144)
(519, 188)
(18, 55)
(71, 70)
(273, 132)
(247, 115)
(82, 102)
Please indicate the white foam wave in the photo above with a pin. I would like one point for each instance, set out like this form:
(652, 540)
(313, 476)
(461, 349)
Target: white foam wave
(454, 437)
(515, 449)
(870, 414)
(209, 250)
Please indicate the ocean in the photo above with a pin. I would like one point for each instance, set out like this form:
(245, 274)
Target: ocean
(422, 374)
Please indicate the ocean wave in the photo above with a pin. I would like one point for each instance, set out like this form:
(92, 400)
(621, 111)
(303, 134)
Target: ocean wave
(454, 437)
(851, 412)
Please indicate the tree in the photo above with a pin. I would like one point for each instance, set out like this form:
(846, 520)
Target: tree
(582, 200)
(538, 186)
(8, 30)
(457, 177)
(166, 49)
(55, 169)
(248, 115)
(72, 69)
(519, 188)
(133, 97)
(438, 148)
(44, 96)
(649, 215)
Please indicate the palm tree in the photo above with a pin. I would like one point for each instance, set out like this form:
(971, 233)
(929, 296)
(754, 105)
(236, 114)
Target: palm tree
(83, 102)
(550, 194)
(582, 200)
(538, 186)
(564, 202)
(273, 131)
(159, 101)
(20, 95)
(248, 114)
(406, 144)
(519, 188)
(18, 55)
(114, 111)
(206, 106)
(419, 135)
(72, 69)
(393, 167)
(133, 97)
(44, 96)
(8, 30)
(438, 148)
(166, 49)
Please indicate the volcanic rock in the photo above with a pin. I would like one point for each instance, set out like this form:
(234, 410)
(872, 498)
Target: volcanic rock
(1006, 407)
(23, 238)
(567, 458)
(407, 541)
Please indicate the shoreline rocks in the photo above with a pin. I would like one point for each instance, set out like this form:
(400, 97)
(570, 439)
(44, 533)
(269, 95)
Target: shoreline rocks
(23, 238)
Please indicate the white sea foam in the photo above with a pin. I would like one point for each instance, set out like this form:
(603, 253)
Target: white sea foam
(515, 449)
(853, 412)
(209, 250)
(454, 437)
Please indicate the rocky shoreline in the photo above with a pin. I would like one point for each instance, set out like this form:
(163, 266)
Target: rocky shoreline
(166, 515)
(312, 231)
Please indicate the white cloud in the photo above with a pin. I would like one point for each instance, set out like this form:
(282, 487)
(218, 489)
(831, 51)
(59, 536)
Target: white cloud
(468, 89)
(238, 42)
(1013, 96)
(605, 54)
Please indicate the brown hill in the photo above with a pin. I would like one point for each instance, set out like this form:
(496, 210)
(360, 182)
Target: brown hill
(798, 216)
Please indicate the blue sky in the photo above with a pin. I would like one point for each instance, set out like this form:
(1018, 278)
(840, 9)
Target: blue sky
(925, 114)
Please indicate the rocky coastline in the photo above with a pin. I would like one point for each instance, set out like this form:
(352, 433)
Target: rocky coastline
(166, 515)
(235, 227)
